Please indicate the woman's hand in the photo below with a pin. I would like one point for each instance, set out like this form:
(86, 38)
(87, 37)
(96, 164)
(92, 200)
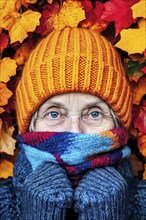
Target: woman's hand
(46, 194)
(101, 194)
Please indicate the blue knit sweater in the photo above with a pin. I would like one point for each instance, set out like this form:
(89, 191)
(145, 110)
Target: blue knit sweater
(46, 193)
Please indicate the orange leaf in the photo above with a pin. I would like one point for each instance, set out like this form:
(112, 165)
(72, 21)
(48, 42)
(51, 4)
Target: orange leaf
(23, 52)
(27, 2)
(5, 94)
(4, 39)
(8, 69)
(7, 143)
(6, 169)
(139, 90)
(139, 115)
(18, 25)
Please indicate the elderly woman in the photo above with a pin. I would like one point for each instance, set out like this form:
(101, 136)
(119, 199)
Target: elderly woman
(73, 106)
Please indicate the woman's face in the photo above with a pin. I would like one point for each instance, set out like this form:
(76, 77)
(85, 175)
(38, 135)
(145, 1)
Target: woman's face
(74, 112)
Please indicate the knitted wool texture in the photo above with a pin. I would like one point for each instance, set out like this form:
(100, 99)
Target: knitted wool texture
(76, 153)
(73, 60)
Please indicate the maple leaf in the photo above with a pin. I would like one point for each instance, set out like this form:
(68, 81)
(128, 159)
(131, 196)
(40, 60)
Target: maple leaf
(18, 25)
(27, 2)
(138, 90)
(6, 168)
(139, 113)
(120, 12)
(144, 69)
(70, 14)
(7, 143)
(139, 9)
(87, 6)
(23, 52)
(93, 15)
(133, 40)
(5, 94)
(4, 39)
(46, 20)
(8, 68)
(134, 69)
(6, 7)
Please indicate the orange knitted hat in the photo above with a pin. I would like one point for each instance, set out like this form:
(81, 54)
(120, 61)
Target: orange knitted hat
(73, 60)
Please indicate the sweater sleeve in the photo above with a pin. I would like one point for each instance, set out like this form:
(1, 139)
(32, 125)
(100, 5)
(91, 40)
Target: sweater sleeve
(136, 199)
(10, 189)
(8, 202)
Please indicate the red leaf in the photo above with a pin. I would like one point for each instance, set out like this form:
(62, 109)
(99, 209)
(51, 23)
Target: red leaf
(46, 25)
(144, 69)
(120, 12)
(9, 108)
(4, 39)
(140, 116)
(87, 6)
(93, 15)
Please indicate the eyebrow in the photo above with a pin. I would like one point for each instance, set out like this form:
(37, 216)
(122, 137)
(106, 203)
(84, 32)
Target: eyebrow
(60, 104)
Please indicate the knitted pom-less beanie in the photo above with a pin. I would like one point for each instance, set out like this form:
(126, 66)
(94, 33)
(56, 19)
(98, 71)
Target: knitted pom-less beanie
(73, 60)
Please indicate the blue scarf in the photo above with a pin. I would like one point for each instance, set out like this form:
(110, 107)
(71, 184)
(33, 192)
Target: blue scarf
(76, 153)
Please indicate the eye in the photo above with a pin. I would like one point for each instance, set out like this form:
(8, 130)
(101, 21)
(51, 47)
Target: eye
(54, 115)
(92, 114)
(95, 114)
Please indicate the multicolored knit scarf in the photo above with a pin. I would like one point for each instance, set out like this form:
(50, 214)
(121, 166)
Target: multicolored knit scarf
(76, 153)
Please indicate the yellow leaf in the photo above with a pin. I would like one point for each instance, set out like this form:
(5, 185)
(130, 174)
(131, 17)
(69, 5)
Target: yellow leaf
(27, 2)
(133, 40)
(18, 25)
(7, 143)
(139, 90)
(6, 6)
(139, 9)
(70, 14)
(5, 94)
(6, 169)
(7, 69)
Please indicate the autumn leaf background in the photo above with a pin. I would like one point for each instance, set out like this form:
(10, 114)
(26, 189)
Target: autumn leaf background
(24, 22)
